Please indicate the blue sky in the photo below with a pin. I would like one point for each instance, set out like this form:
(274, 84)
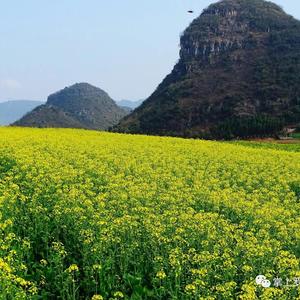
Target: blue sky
(125, 47)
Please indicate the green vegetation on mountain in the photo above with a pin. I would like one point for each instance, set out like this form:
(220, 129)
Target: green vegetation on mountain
(238, 76)
(78, 106)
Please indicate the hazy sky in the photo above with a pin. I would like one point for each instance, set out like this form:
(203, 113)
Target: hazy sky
(125, 47)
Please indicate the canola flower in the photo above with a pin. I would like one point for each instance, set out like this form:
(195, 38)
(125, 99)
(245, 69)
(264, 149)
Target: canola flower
(161, 275)
(93, 215)
(72, 268)
(97, 297)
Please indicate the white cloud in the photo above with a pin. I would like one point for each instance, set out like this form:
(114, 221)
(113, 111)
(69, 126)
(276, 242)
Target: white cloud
(10, 84)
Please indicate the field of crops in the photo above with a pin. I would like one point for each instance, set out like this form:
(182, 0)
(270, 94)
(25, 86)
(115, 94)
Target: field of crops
(293, 147)
(90, 215)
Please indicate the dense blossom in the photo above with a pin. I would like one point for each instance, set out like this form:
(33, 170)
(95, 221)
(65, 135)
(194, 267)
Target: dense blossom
(91, 215)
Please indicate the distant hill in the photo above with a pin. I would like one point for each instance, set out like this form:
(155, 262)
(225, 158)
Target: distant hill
(130, 104)
(238, 76)
(78, 106)
(127, 109)
(11, 111)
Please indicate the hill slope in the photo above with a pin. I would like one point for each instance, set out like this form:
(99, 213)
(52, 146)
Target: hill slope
(238, 75)
(81, 106)
(11, 111)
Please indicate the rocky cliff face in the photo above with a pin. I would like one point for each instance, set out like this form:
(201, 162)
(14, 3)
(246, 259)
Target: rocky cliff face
(79, 106)
(238, 75)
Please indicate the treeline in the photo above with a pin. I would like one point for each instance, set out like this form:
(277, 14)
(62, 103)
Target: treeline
(244, 127)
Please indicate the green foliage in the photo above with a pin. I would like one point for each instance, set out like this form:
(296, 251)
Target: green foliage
(296, 135)
(245, 127)
(291, 147)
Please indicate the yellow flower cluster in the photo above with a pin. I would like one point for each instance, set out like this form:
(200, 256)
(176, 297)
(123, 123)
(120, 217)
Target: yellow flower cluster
(72, 268)
(97, 297)
(161, 275)
(93, 215)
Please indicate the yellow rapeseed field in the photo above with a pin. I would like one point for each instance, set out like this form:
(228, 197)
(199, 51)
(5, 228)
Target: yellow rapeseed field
(92, 215)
